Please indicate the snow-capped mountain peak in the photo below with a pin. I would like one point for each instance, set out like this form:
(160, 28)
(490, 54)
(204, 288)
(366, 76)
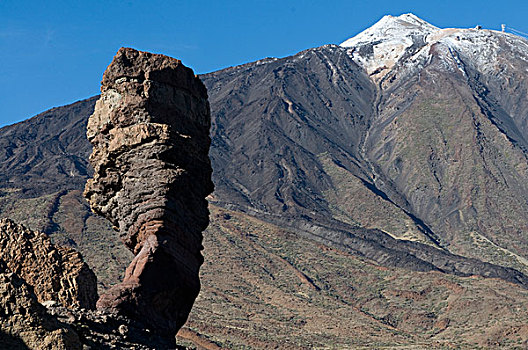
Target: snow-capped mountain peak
(392, 28)
(398, 41)
(381, 46)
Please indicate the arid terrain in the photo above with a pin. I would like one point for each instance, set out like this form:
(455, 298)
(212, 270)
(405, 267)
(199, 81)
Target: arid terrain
(371, 194)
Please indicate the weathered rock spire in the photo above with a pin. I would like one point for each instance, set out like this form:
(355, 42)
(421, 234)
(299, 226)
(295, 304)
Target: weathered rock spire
(150, 137)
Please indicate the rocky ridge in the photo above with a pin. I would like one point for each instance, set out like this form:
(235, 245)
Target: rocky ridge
(56, 273)
(28, 324)
(25, 323)
(45, 303)
(150, 136)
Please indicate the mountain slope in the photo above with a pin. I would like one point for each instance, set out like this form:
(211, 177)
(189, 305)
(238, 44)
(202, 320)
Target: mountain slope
(450, 135)
(265, 287)
(47, 150)
(405, 150)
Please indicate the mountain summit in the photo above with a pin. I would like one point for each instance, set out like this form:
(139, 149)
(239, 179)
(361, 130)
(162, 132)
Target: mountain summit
(391, 28)
(407, 40)
(381, 46)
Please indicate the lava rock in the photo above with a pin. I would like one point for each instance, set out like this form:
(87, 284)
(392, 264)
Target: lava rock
(150, 137)
(56, 273)
(24, 323)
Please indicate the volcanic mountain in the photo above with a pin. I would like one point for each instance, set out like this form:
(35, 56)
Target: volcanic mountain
(365, 193)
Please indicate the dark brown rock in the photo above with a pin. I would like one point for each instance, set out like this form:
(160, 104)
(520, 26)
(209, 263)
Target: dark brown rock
(55, 273)
(150, 133)
(103, 329)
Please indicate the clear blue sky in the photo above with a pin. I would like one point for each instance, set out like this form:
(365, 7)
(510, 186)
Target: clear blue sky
(54, 52)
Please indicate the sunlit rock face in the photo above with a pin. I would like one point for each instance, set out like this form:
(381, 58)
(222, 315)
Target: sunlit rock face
(150, 137)
(56, 273)
(24, 322)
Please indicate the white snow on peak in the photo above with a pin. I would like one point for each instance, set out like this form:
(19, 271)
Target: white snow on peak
(405, 42)
(381, 46)
(392, 28)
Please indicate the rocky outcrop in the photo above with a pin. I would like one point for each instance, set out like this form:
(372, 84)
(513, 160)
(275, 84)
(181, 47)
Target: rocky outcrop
(24, 322)
(101, 329)
(27, 324)
(150, 137)
(55, 273)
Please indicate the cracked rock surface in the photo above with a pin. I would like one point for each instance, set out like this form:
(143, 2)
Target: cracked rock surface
(24, 322)
(55, 272)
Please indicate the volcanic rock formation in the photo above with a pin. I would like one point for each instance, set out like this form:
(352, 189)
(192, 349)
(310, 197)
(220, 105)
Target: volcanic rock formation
(55, 273)
(24, 323)
(150, 132)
